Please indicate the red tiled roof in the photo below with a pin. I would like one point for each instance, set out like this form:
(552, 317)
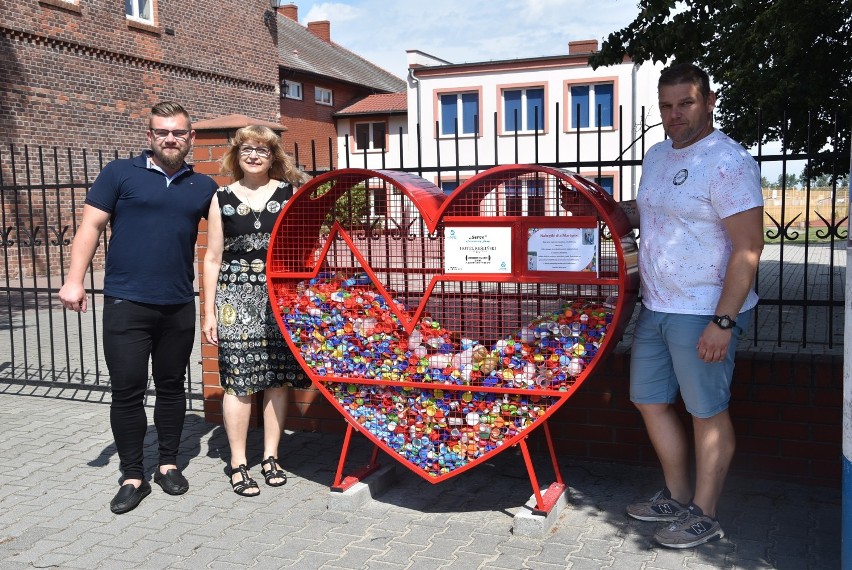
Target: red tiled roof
(380, 103)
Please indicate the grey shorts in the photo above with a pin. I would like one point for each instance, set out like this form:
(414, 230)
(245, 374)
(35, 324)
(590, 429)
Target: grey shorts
(664, 361)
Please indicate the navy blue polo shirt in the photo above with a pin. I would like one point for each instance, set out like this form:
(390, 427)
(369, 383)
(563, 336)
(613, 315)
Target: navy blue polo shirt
(154, 223)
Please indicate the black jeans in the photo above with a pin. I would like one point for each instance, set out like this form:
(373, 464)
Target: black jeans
(133, 333)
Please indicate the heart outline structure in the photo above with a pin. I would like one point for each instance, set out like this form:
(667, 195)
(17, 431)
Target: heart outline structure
(390, 294)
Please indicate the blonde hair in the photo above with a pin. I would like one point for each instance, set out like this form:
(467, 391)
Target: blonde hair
(283, 166)
(168, 109)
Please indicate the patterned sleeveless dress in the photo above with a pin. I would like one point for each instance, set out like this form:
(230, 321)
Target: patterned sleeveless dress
(253, 355)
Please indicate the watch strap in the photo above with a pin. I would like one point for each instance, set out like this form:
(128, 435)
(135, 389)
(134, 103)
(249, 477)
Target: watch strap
(724, 322)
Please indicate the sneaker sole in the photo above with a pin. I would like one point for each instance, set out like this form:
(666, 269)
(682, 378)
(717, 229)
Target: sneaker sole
(654, 518)
(703, 540)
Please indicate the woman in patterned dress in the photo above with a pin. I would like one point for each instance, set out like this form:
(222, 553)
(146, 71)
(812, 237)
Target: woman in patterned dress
(253, 355)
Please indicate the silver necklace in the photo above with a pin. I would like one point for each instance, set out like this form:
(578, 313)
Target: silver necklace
(255, 213)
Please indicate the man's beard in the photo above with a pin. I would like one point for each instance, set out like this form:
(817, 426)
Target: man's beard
(172, 160)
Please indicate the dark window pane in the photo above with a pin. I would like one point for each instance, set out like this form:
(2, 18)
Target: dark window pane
(470, 110)
(379, 135)
(380, 201)
(362, 136)
(511, 110)
(580, 106)
(448, 187)
(607, 183)
(449, 113)
(535, 109)
(514, 198)
(535, 198)
(603, 103)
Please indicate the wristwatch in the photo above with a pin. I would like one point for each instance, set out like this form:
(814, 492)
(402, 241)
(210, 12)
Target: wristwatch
(724, 322)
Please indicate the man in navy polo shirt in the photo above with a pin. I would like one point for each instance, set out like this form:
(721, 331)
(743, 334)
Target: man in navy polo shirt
(153, 203)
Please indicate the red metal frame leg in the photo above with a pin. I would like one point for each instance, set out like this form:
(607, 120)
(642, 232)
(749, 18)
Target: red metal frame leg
(342, 483)
(343, 453)
(543, 503)
(552, 451)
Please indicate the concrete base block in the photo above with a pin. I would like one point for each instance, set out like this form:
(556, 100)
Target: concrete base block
(363, 491)
(528, 522)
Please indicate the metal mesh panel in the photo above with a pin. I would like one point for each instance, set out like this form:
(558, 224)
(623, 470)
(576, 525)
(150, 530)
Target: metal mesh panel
(445, 327)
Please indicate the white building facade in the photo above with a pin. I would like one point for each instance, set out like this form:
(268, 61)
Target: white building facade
(553, 110)
(548, 110)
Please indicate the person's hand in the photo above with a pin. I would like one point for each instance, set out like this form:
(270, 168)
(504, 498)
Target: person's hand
(73, 297)
(713, 343)
(209, 329)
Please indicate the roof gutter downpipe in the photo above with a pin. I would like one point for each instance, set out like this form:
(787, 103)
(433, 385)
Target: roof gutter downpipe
(416, 83)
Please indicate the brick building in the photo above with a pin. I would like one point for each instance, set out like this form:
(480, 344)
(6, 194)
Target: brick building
(84, 74)
(77, 80)
(317, 79)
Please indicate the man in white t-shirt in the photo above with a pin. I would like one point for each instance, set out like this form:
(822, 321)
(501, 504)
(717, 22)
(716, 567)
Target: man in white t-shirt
(700, 214)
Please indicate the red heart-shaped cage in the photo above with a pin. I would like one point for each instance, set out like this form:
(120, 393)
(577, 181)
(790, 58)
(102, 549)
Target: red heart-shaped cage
(445, 328)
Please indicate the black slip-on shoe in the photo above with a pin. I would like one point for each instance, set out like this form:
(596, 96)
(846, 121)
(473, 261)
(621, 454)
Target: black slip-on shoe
(129, 497)
(173, 482)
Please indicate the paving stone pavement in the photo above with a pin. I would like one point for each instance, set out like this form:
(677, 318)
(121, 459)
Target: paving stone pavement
(61, 470)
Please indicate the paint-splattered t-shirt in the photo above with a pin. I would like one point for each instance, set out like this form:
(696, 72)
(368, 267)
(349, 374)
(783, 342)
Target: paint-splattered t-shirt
(684, 194)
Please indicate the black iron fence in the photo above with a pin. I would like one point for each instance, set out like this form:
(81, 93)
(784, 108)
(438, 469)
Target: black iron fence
(800, 280)
(41, 196)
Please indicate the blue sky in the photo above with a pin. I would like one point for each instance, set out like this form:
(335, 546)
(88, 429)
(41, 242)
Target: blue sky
(465, 30)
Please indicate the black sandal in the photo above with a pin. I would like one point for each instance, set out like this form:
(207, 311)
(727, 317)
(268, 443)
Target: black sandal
(273, 472)
(244, 484)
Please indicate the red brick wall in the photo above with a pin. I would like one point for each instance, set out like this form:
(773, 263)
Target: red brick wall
(308, 121)
(87, 79)
(209, 149)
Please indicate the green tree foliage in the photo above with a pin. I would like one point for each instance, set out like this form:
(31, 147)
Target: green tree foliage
(786, 58)
(788, 181)
(351, 209)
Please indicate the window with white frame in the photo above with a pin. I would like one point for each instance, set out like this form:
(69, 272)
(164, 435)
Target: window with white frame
(523, 109)
(141, 10)
(370, 136)
(461, 109)
(591, 106)
(291, 89)
(323, 96)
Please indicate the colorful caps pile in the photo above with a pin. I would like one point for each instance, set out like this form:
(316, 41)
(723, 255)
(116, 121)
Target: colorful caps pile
(438, 430)
(344, 328)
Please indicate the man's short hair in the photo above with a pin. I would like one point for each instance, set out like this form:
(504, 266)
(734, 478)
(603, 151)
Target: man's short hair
(686, 73)
(168, 109)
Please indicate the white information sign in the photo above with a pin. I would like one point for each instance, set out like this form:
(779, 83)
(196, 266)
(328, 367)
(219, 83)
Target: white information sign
(562, 249)
(478, 250)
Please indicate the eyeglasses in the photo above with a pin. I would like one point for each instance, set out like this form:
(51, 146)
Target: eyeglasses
(179, 134)
(261, 151)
